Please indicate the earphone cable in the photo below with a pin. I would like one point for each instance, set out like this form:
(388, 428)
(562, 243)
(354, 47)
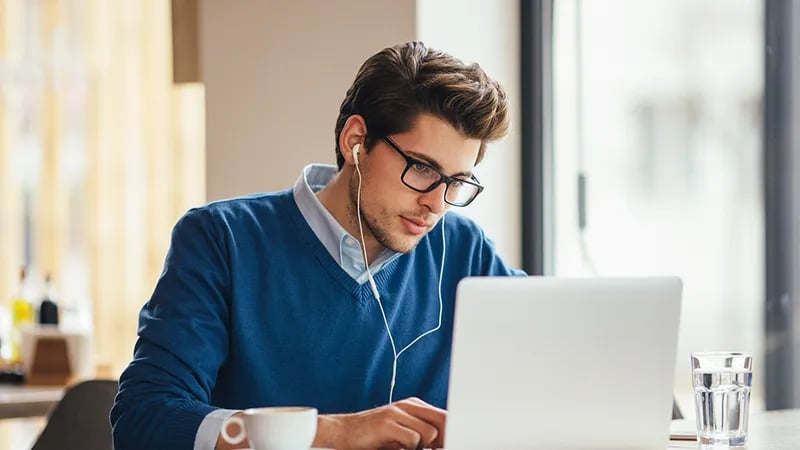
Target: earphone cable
(374, 287)
(375, 292)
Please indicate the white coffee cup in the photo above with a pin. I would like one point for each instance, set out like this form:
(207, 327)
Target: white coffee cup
(276, 428)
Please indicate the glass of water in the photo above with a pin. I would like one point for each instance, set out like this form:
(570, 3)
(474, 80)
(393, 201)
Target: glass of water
(721, 383)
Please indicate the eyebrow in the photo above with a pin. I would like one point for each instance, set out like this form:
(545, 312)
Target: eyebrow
(433, 163)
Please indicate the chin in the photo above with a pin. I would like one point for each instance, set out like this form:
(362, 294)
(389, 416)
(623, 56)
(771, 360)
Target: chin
(404, 244)
(394, 236)
(404, 248)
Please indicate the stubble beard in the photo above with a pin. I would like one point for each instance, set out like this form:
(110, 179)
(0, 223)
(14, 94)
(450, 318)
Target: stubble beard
(379, 226)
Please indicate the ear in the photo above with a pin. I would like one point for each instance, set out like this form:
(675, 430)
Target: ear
(354, 133)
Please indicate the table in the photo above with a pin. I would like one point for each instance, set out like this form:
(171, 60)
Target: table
(20, 434)
(28, 401)
(773, 430)
(23, 410)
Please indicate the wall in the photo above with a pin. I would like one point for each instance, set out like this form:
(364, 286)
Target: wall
(276, 72)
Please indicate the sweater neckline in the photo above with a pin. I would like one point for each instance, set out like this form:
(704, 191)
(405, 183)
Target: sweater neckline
(304, 233)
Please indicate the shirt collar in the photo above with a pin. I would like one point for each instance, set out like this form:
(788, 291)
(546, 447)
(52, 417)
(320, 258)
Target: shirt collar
(344, 248)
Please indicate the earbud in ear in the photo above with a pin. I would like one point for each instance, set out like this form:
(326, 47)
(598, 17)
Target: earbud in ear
(356, 149)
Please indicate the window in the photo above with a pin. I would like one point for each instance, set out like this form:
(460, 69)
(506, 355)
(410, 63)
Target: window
(100, 153)
(656, 159)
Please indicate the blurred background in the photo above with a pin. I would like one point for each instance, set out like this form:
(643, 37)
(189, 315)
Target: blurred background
(649, 137)
(658, 104)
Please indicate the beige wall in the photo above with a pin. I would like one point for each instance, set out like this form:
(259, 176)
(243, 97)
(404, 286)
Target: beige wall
(276, 71)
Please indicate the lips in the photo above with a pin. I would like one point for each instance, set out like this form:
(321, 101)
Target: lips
(416, 221)
(414, 225)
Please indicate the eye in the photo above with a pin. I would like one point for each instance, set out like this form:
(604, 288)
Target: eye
(456, 184)
(421, 168)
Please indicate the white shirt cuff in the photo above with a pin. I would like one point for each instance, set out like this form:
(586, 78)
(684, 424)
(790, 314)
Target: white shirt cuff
(208, 432)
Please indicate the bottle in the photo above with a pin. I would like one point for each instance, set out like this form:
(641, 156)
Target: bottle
(48, 309)
(21, 314)
(5, 333)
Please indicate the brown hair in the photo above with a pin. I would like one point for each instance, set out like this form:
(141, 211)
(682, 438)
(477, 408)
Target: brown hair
(394, 86)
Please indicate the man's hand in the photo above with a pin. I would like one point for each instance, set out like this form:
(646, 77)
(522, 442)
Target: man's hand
(407, 424)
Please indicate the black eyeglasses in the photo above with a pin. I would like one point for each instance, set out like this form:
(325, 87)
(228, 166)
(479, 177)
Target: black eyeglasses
(422, 177)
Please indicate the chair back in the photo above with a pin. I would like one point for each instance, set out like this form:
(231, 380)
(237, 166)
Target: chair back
(80, 420)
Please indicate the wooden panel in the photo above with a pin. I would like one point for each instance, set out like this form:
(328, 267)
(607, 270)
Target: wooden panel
(11, 218)
(185, 46)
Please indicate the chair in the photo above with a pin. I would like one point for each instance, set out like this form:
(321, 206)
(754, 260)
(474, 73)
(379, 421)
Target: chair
(80, 420)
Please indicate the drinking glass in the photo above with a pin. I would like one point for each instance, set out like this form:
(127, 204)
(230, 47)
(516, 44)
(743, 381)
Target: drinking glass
(721, 382)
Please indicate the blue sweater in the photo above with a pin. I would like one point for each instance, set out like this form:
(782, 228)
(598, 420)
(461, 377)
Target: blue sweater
(251, 310)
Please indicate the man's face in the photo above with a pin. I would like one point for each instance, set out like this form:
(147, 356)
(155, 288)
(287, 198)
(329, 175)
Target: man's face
(392, 213)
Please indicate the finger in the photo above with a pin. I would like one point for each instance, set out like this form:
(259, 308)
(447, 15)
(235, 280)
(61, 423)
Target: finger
(424, 411)
(429, 413)
(421, 410)
(437, 443)
(403, 436)
(426, 431)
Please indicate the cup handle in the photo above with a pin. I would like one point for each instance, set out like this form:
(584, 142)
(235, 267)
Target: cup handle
(235, 440)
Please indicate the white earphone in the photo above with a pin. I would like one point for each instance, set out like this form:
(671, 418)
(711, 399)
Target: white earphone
(356, 149)
(374, 287)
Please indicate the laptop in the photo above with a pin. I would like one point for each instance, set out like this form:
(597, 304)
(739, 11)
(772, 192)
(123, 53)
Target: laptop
(556, 363)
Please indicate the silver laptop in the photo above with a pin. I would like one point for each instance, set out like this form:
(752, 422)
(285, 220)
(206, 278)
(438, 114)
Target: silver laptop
(554, 363)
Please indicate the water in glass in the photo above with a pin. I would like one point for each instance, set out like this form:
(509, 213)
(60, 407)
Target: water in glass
(721, 399)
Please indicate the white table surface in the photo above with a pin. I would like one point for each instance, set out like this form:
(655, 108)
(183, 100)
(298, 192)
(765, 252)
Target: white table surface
(773, 430)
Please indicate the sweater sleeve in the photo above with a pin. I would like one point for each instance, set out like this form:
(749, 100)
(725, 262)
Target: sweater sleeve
(164, 393)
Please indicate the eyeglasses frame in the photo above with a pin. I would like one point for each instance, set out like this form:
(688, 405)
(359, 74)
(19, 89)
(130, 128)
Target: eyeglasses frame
(448, 180)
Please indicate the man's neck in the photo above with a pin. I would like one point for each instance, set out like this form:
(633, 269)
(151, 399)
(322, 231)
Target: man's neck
(335, 197)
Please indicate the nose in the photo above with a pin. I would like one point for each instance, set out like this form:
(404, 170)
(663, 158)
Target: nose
(434, 200)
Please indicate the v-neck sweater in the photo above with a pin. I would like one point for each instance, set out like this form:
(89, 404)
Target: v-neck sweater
(251, 310)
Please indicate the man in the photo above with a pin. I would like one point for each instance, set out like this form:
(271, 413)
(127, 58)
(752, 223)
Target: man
(265, 300)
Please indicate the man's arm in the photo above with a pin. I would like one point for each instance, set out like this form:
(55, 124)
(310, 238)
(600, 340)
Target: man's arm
(165, 392)
(489, 262)
(409, 423)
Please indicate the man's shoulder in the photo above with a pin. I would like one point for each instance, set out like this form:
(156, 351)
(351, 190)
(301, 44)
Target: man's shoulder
(460, 230)
(256, 202)
(247, 208)
(463, 225)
